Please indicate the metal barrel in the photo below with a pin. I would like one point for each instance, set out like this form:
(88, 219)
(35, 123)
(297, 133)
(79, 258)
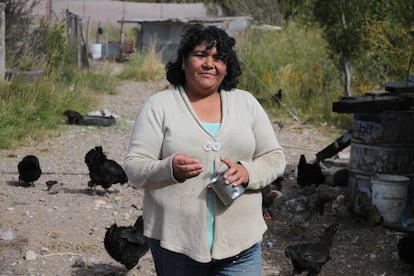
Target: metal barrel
(382, 143)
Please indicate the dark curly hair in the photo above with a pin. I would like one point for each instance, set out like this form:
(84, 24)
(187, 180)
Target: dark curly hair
(193, 36)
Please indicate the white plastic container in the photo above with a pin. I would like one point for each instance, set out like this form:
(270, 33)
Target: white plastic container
(96, 50)
(389, 194)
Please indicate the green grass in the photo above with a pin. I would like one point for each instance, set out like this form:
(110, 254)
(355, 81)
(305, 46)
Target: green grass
(32, 109)
(144, 67)
(296, 61)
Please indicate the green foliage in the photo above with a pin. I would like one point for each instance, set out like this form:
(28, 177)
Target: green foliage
(18, 29)
(296, 10)
(99, 82)
(341, 22)
(33, 109)
(296, 61)
(29, 109)
(144, 67)
(386, 55)
(35, 45)
(59, 56)
(368, 36)
(402, 12)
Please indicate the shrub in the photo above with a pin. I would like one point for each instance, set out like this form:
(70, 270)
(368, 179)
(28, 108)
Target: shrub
(144, 67)
(295, 60)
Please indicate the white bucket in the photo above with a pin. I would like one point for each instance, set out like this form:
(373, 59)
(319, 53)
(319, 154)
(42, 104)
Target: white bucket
(96, 50)
(389, 194)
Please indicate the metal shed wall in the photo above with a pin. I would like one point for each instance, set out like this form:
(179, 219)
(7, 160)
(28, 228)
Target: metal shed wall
(166, 37)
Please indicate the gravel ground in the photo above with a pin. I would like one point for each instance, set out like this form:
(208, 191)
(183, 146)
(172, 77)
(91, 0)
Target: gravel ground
(62, 233)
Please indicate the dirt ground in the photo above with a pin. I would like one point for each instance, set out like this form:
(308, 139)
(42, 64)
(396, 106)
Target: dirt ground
(62, 233)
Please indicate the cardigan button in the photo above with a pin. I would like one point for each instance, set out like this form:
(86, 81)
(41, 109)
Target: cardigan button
(207, 146)
(216, 146)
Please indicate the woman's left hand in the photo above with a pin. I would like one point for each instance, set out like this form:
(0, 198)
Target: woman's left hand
(236, 174)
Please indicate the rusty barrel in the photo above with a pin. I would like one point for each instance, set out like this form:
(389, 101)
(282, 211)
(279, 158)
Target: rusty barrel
(382, 143)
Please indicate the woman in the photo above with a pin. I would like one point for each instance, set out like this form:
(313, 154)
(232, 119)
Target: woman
(186, 135)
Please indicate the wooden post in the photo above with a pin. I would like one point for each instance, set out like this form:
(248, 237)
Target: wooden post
(2, 40)
(79, 40)
(48, 10)
(121, 42)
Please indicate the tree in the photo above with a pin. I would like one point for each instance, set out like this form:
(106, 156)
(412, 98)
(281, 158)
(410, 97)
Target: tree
(296, 9)
(404, 12)
(375, 34)
(342, 22)
(18, 21)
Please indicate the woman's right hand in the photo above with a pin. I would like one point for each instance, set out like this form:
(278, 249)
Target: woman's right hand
(185, 167)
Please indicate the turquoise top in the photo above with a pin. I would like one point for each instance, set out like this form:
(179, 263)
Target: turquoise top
(213, 128)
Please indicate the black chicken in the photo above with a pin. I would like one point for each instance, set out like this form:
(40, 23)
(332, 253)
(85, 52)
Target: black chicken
(277, 97)
(405, 251)
(103, 171)
(310, 257)
(126, 244)
(29, 170)
(309, 173)
(73, 117)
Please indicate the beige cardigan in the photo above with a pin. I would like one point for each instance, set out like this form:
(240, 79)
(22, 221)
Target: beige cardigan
(176, 213)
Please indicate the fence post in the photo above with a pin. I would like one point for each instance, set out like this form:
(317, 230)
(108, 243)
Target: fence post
(78, 40)
(75, 39)
(2, 40)
(48, 10)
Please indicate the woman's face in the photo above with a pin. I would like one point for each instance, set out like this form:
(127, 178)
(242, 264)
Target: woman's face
(204, 70)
